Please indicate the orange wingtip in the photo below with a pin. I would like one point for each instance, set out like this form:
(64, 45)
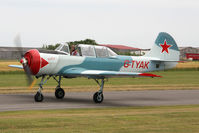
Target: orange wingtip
(149, 75)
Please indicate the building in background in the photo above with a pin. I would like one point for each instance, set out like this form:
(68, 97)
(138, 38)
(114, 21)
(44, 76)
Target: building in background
(13, 53)
(191, 56)
(122, 49)
(144, 51)
(188, 53)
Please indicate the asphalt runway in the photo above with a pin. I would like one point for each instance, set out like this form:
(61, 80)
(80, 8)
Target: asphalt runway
(13, 102)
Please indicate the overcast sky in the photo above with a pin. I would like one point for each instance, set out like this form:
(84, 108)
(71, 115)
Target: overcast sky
(134, 23)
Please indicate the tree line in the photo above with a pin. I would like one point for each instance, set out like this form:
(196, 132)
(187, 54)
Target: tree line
(86, 41)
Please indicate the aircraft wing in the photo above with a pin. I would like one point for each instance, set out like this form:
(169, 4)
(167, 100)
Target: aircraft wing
(16, 66)
(101, 73)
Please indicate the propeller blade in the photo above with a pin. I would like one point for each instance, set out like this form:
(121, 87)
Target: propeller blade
(24, 62)
(32, 84)
(18, 44)
(28, 74)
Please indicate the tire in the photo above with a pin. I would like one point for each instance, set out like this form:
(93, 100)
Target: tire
(39, 97)
(98, 97)
(59, 93)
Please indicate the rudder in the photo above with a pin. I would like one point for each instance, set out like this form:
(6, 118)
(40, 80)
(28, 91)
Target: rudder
(165, 48)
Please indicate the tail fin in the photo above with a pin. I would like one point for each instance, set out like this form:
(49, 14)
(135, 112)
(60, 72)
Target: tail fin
(165, 48)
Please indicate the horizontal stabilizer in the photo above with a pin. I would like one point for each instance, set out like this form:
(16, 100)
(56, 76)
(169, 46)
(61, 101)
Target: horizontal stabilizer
(160, 60)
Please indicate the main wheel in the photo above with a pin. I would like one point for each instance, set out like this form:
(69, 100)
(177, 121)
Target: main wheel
(98, 97)
(39, 97)
(59, 93)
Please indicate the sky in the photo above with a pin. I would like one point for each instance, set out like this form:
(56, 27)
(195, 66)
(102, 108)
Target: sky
(134, 23)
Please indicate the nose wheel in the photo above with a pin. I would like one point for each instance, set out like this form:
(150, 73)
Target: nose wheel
(39, 97)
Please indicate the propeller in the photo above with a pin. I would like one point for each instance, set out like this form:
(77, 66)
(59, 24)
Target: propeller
(24, 62)
(17, 42)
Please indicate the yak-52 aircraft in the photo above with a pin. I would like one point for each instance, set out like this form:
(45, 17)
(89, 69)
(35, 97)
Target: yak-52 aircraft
(98, 63)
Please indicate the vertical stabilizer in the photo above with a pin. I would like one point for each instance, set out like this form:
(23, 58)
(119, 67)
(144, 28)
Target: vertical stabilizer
(165, 48)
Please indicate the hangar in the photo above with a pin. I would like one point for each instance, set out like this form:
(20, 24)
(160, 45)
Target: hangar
(13, 53)
(185, 52)
(123, 49)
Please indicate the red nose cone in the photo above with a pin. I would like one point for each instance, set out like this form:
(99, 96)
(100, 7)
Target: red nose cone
(33, 60)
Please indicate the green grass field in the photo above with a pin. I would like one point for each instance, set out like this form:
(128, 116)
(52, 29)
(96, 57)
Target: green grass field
(171, 119)
(171, 80)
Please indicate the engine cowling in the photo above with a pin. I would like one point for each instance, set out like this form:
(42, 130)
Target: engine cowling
(33, 60)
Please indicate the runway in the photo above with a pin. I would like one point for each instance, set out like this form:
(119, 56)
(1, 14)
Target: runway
(13, 102)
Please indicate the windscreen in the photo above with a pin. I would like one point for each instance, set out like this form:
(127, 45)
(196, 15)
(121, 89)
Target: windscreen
(63, 48)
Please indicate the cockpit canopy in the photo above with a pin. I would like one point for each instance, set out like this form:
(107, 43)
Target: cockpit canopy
(95, 51)
(87, 50)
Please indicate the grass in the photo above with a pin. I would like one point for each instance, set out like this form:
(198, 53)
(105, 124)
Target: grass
(190, 64)
(169, 119)
(13, 83)
(166, 119)
(4, 65)
(184, 76)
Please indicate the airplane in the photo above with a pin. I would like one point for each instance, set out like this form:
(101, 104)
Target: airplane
(98, 63)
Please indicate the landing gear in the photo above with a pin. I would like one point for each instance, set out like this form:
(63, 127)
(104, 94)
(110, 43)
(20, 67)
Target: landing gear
(59, 92)
(98, 97)
(39, 96)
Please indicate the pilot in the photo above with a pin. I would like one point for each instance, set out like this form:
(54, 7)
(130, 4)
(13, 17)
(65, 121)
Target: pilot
(74, 51)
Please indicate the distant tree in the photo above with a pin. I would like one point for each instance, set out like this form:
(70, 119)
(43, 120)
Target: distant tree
(51, 47)
(86, 41)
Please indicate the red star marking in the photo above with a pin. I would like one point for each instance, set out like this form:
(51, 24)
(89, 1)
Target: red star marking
(165, 46)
